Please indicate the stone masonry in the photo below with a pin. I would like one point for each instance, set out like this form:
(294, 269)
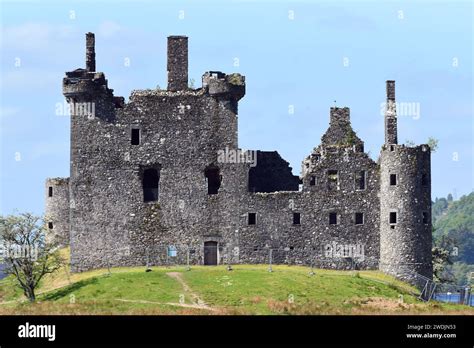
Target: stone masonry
(164, 169)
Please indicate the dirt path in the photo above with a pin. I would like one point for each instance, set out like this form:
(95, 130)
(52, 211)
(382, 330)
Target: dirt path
(197, 301)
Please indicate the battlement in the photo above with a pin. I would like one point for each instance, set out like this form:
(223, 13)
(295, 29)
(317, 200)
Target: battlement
(402, 149)
(219, 84)
(82, 82)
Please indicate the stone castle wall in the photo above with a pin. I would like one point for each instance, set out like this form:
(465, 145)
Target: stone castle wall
(176, 135)
(57, 209)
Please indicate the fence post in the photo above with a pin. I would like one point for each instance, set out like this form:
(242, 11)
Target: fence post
(147, 267)
(229, 264)
(187, 260)
(270, 255)
(108, 261)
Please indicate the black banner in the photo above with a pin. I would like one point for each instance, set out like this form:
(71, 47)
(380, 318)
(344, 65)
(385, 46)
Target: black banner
(218, 330)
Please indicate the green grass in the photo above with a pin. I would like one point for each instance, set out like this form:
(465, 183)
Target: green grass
(248, 289)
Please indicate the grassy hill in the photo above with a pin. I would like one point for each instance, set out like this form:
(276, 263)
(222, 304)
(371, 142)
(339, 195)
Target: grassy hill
(247, 289)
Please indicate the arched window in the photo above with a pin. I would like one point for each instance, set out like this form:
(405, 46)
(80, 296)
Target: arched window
(213, 178)
(151, 177)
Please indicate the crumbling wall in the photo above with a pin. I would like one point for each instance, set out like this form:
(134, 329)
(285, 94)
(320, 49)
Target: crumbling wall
(180, 133)
(271, 173)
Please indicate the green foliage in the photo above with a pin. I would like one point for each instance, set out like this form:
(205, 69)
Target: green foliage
(441, 258)
(438, 207)
(454, 231)
(28, 255)
(235, 79)
(461, 272)
(350, 137)
(248, 289)
(457, 223)
(433, 144)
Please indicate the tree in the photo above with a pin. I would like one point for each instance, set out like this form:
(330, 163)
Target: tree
(450, 198)
(441, 259)
(28, 254)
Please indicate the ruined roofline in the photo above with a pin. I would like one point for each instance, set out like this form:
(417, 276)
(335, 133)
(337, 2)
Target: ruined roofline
(406, 148)
(87, 81)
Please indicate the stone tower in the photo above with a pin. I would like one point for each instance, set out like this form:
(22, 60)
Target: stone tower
(57, 209)
(405, 202)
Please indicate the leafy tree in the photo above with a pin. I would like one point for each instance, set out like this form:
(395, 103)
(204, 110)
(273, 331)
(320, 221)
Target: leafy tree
(457, 223)
(450, 198)
(441, 259)
(438, 208)
(28, 254)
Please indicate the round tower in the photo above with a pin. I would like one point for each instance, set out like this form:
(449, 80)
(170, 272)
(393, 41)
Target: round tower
(57, 209)
(405, 204)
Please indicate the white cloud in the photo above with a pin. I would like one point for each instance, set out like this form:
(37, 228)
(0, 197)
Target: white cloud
(32, 36)
(28, 79)
(8, 111)
(108, 29)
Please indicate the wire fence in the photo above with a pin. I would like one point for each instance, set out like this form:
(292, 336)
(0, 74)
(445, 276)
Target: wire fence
(211, 253)
(310, 257)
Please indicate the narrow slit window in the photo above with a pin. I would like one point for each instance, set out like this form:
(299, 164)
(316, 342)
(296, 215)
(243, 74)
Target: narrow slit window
(151, 178)
(252, 218)
(425, 217)
(360, 180)
(359, 218)
(393, 179)
(333, 180)
(50, 225)
(135, 136)
(333, 218)
(213, 178)
(312, 181)
(296, 218)
(50, 191)
(393, 217)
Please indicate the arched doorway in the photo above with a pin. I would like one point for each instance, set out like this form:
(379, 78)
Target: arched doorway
(210, 253)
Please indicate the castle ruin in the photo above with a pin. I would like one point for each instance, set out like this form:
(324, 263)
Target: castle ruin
(165, 169)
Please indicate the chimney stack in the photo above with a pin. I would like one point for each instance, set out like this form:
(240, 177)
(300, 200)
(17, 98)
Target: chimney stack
(390, 115)
(90, 52)
(177, 63)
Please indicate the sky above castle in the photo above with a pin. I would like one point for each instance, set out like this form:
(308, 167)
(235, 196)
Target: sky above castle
(299, 58)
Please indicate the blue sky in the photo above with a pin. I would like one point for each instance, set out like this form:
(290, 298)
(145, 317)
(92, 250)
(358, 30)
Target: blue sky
(302, 55)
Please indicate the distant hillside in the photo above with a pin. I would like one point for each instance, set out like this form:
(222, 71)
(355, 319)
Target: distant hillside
(454, 220)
